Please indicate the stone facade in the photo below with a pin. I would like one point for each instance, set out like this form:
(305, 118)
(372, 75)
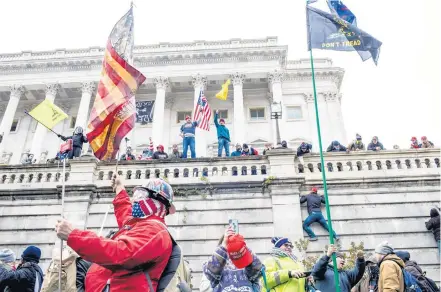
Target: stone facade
(260, 74)
(373, 197)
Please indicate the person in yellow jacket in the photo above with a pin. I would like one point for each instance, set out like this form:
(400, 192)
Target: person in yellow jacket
(284, 273)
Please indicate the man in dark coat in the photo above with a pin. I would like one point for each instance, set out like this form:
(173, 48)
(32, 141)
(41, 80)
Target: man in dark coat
(28, 277)
(336, 147)
(128, 155)
(433, 225)
(323, 271)
(78, 139)
(160, 154)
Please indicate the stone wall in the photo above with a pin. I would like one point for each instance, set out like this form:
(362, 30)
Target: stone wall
(370, 204)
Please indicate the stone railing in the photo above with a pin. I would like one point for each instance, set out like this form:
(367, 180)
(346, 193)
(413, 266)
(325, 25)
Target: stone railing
(34, 174)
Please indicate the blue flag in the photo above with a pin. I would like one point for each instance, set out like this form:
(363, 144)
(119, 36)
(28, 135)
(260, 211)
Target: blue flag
(337, 7)
(329, 32)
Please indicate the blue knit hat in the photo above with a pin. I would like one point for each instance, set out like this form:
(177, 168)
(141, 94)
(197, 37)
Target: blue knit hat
(31, 254)
(279, 241)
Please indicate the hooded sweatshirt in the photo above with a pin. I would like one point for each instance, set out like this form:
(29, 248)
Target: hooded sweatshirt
(434, 223)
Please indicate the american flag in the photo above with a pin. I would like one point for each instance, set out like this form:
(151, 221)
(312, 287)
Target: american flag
(202, 111)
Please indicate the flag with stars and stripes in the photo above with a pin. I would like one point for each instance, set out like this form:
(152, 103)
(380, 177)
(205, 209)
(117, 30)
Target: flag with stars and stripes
(114, 112)
(202, 111)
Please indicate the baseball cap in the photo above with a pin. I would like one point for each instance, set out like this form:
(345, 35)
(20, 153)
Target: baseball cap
(238, 252)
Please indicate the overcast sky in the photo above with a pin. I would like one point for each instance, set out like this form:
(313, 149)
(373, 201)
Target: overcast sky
(396, 100)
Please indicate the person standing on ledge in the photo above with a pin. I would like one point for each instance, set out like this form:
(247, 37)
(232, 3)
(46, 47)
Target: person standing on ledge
(188, 131)
(314, 203)
(223, 136)
(78, 139)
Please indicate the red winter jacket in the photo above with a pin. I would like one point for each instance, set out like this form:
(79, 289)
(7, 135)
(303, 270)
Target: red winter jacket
(140, 241)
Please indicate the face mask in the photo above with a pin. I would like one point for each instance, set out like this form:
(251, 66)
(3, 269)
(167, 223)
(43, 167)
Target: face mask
(137, 211)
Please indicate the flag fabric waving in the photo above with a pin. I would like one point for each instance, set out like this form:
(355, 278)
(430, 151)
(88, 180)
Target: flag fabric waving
(223, 93)
(48, 114)
(329, 32)
(113, 113)
(202, 112)
(337, 7)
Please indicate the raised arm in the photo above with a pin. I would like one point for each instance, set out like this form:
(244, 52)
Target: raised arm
(216, 116)
(357, 272)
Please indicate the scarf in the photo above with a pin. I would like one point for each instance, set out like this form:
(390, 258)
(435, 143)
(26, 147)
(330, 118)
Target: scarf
(147, 207)
(278, 253)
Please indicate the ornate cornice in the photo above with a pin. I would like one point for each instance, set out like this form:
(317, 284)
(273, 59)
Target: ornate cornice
(88, 87)
(237, 78)
(331, 96)
(52, 89)
(276, 76)
(199, 81)
(161, 82)
(17, 90)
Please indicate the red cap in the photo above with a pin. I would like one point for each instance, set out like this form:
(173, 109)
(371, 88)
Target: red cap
(187, 118)
(424, 138)
(238, 251)
(160, 147)
(413, 139)
(314, 190)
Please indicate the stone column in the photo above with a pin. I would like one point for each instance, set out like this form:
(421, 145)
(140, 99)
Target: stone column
(158, 114)
(5, 126)
(40, 132)
(309, 98)
(275, 81)
(83, 110)
(336, 117)
(199, 83)
(168, 122)
(239, 115)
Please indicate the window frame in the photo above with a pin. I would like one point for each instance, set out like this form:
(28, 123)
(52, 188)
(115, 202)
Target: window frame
(222, 109)
(293, 106)
(186, 113)
(250, 119)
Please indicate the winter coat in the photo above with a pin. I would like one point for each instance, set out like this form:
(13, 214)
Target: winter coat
(82, 268)
(313, 202)
(160, 155)
(391, 276)
(434, 223)
(373, 146)
(77, 140)
(277, 277)
(323, 274)
(363, 284)
(6, 267)
(301, 153)
(222, 131)
(331, 148)
(174, 155)
(23, 279)
(356, 145)
(189, 129)
(416, 271)
(251, 151)
(236, 153)
(128, 157)
(225, 277)
(139, 243)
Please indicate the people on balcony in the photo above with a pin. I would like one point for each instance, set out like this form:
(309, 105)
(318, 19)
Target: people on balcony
(426, 143)
(414, 143)
(303, 149)
(375, 144)
(336, 147)
(128, 155)
(268, 147)
(147, 154)
(238, 151)
(175, 152)
(248, 151)
(282, 145)
(313, 204)
(28, 159)
(78, 139)
(188, 132)
(223, 136)
(357, 144)
(160, 154)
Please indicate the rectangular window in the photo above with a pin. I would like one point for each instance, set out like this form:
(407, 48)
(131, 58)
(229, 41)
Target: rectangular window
(180, 116)
(223, 114)
(14, 126)
(73, 121)
(257, 114)
(294, 113)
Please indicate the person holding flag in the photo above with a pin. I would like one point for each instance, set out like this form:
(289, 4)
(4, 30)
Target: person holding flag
(78, 139)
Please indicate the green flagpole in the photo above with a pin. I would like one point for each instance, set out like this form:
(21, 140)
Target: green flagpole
(325, 187)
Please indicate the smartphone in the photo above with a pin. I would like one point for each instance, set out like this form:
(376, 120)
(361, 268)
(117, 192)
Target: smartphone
(307, 274)
(234, 224)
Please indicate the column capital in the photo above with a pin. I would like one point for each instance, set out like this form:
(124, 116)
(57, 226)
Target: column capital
(53, 88)
(309, 98)
(17, 90)
(169, 101)
(237, 78)
(161, 82)
(88, 87)
(199, 81)
(276, 76)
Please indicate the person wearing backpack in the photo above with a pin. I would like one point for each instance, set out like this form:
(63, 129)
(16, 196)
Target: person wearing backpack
(415, 270)
(135, 258)
(284, 273)
(391, 276)
(28, 276)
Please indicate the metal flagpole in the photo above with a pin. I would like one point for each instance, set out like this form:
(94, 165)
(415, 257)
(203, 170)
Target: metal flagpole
(325, 186)
(63, 189)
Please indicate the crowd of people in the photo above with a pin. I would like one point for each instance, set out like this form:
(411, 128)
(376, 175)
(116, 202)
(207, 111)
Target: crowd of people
(142, 256)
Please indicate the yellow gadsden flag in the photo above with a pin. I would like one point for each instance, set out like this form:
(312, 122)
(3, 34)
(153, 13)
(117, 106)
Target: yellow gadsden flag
(223, 94)
(48, 114)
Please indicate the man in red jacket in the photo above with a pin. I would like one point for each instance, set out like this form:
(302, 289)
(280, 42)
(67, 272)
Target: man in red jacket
(141, 244)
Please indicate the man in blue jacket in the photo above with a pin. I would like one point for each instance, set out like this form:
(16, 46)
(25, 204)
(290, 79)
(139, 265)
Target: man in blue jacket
(375, 145)
(336, 147)
(223, 136)
(323, 271)
(188, 131)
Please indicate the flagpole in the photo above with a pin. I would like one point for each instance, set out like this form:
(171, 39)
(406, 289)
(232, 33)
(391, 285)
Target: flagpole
(42, 124)
(325, 186)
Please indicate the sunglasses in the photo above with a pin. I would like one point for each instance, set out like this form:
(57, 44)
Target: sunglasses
(289, 245)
